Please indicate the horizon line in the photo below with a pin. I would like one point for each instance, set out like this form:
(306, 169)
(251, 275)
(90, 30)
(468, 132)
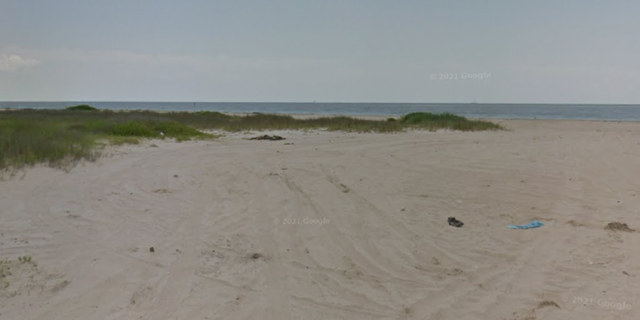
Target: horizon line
(321, 102)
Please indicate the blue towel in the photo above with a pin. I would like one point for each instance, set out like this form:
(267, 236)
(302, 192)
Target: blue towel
(533, 224)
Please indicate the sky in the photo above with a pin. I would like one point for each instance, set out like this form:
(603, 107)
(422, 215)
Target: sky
(491, 51)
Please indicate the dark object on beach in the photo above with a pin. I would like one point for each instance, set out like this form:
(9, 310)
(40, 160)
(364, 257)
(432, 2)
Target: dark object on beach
(152, 249)
(288, 144)
(175, 175)
(454, 222)
(268, 137)
(256, 256)
(618, 226)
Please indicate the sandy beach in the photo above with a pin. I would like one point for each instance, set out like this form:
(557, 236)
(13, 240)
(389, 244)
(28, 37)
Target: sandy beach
(330, 225)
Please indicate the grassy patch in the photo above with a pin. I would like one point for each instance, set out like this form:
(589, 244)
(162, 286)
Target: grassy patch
(118, 141)
(449, 121)
(82, 107)
(19, 276)
(62, 137)
(27, 142)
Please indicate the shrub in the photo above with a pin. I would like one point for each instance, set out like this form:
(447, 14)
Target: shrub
(82, 107)
(422, 117)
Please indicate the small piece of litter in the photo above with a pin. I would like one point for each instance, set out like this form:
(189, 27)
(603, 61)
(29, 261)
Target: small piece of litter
(533, 224)
(455, 222)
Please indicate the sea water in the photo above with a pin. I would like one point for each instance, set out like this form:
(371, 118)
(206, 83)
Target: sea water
(471, 110)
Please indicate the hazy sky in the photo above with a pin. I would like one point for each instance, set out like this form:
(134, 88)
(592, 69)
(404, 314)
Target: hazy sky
(562, 51)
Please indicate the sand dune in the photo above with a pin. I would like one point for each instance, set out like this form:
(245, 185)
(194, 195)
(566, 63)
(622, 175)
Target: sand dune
(335, 226)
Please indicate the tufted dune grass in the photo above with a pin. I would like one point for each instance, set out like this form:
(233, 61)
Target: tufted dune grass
(60, 137)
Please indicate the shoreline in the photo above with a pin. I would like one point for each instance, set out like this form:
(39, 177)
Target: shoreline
(355, 116)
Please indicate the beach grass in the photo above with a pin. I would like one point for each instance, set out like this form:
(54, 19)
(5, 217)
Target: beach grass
(61, 137)
(450, 121)
(83, 107)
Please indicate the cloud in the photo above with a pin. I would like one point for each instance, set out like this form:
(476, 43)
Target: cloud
(16, 62)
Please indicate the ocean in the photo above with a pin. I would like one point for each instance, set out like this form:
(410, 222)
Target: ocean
(471, 110)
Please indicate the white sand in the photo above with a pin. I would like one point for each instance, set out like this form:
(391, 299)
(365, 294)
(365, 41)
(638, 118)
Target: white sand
(346, 226)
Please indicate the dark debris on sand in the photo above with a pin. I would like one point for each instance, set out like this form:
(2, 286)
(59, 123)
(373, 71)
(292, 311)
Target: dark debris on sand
(268, 137)
(455, 222)
(618, 226)
(256, 256)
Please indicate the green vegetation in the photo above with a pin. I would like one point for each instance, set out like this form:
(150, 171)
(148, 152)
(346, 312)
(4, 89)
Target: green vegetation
(424, 117)
(83, 107)
(63, 137)
(28, 141)
(5, 268)
(18, 275)
(25, 259)
(430, 121)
